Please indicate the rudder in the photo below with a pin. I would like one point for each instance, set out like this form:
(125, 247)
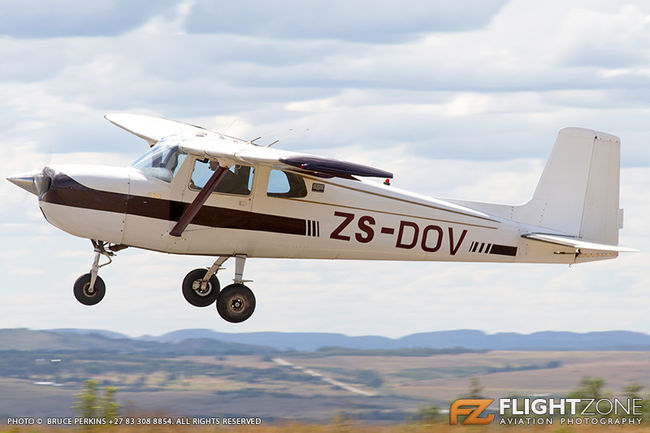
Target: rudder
(578, 193)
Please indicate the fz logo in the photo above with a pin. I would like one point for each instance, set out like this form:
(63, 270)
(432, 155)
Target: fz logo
(471, 408)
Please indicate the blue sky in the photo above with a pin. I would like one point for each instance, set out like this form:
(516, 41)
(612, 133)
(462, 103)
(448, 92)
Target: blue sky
(459, 99)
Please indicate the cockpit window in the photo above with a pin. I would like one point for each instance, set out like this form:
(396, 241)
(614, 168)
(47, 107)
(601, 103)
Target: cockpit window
(286, 184)
(238, 180)
(161, 162)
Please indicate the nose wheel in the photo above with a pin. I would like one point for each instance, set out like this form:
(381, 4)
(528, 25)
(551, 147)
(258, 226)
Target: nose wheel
(235, 302)
(89, 289)
(87, 294)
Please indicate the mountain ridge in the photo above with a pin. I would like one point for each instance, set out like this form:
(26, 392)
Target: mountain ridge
(465, 338)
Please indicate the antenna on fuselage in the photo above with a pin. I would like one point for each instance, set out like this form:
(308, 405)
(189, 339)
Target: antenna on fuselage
(225, 132)
(291, 131)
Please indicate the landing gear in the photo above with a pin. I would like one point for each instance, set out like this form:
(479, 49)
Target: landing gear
(89, 288)
(87, 294)
(235, 303)
(197, 290)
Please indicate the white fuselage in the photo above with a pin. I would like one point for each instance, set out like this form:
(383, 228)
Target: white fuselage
(338, 219)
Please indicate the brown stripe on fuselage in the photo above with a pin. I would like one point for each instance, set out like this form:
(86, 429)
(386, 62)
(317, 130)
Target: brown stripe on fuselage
(68, 192)
(504, 250)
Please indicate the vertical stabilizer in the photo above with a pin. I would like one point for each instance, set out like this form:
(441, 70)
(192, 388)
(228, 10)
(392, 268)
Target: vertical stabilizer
(578, 193)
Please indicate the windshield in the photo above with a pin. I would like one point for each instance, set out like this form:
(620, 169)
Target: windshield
(161, 162)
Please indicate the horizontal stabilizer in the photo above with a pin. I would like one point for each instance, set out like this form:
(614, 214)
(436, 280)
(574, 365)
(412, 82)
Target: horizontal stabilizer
(576, 243)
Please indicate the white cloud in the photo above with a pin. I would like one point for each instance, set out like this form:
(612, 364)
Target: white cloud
(515, 92)
(597, 38)
(56, 18)
(362, 20)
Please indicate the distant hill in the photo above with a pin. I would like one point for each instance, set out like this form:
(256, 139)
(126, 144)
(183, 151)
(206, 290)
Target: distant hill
(470, 339)
(73, 340)
(547, 340)
(302, 341)
(108, 334)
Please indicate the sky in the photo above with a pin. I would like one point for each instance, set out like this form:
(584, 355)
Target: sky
(458, 99)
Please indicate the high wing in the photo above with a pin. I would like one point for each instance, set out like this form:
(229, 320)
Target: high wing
(574, 242)
(228, 152)
(204, 143)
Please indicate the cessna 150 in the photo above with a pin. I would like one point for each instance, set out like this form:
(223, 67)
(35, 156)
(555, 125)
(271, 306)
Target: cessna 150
(201, 192)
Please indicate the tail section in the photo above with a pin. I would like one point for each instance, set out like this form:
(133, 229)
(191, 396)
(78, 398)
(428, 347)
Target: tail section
(578, 193)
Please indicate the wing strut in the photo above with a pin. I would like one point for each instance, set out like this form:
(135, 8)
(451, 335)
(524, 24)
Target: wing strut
(198, 202)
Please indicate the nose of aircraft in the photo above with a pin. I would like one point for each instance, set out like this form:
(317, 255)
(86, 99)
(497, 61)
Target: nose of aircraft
(36, 182)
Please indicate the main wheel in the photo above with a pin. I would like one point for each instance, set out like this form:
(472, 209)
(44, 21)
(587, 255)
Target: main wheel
(193, 292)
(89, 295)
(236, 303)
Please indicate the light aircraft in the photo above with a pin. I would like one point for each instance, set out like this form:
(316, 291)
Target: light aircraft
(202, 192)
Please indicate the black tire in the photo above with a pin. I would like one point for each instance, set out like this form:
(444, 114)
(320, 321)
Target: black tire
(236, 303)
(84, 294)
(195, 296)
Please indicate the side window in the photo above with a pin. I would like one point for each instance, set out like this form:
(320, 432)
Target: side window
(238, 180)
(179, 162)
(285, 184)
